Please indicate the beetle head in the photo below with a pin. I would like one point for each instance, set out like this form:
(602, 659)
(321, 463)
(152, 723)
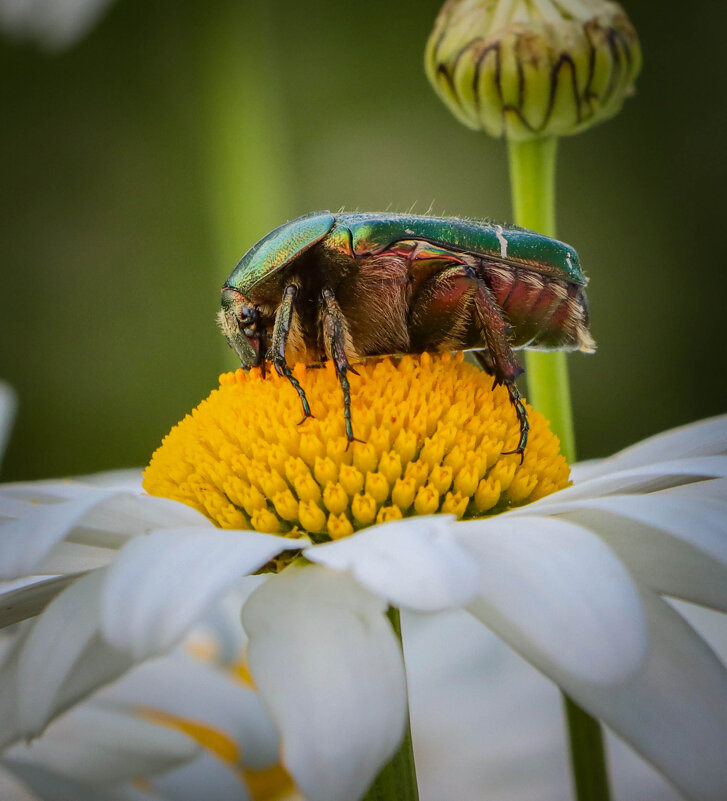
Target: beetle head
(239, 321)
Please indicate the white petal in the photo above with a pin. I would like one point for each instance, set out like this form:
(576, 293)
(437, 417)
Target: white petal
(486, 722)
(72, 557)
(704, 438)
(8, 405)
(125, 478)
(648, 478)
(51, 23)
(20, 602)
(673, 710)
(179, 686)
(26, 541)
(204, 778)
(414, 563)
(48, 786)
(674, 543)
(61, 659)
(709, 624)
(9, 728)
(329, 668)
(159, 585)
(103, 518)
(97, 744)
(556, 593)
(220, 628)
(11, 789)
(45, 491)
(483, 719)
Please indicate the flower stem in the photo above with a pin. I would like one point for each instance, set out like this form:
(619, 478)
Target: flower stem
(397, 780)
(588, 758)
(532, 177)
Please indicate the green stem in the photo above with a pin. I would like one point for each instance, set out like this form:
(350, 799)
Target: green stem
(588, 757)
(397, 780)
(532, 176)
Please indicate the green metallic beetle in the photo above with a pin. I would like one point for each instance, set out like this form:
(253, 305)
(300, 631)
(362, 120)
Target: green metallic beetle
(347, 286)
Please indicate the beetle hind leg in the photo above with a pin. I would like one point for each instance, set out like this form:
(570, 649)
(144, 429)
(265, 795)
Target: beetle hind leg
(335, 332)
(455, 295)
(281, 330)
(486, 362)
(522, 416)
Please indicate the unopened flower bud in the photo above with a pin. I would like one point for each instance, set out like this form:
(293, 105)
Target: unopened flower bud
(531, 68)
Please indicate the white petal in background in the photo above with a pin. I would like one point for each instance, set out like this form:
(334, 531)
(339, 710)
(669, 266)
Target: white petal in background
(53, 23)
(12, 789)
(489, 727)
(206, 777)
(413, 563)
(187, 689)
(329, 668)
(557, 588)
(60, 659)
(129, 479)
(25, 598)
(92, 518)
(674, 541)
(704, 438)
(128, 729)
(672, 710)
(42, 784)
(643, 479)
(97, 744)
(8, 407)
(64, 657)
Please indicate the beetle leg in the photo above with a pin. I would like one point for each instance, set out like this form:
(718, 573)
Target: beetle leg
(281, 330)
(506, 366)
(458, 288)
(335, 333)
(522, 416)
(485, 361)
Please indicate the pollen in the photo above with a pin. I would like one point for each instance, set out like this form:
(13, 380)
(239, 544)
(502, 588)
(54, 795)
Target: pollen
(433, 439)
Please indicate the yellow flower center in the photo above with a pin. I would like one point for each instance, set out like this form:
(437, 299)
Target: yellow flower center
(433, 433)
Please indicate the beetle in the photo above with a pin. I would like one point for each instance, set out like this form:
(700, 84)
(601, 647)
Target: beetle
(346, 286)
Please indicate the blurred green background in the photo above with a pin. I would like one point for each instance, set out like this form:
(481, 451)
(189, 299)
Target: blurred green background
(139, 164)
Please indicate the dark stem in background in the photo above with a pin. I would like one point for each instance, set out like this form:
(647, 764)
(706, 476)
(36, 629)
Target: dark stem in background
(397, 780)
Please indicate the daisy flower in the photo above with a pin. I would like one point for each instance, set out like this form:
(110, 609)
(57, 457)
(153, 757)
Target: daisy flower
(570, 576)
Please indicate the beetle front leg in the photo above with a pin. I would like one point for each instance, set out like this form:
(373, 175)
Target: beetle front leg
(281, 330)
(335, 332)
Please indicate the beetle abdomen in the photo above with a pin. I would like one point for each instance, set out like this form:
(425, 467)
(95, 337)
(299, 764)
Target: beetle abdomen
(544, 313)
